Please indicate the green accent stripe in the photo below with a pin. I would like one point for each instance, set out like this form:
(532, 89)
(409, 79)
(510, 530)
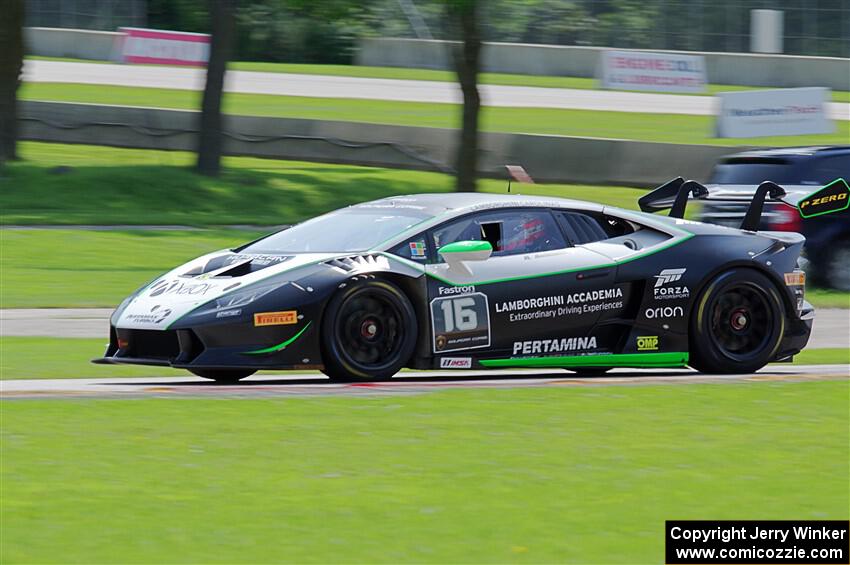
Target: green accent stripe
(280, 346)
(677, 359)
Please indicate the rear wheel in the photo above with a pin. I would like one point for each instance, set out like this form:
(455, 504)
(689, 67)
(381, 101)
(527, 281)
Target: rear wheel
(223, 375)
(738, 323)
(368, 332)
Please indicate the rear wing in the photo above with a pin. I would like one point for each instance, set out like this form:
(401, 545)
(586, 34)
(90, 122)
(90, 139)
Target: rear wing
(674, 195)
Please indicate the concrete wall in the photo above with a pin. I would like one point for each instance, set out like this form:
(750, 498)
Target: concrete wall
(76, 43)
(546, 158)
(746, 69)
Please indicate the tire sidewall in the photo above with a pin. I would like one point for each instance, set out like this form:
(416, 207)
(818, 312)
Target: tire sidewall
(338, 363)
(706, 355)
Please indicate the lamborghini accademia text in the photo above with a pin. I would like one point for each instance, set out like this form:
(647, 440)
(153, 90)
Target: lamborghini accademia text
(474, 281)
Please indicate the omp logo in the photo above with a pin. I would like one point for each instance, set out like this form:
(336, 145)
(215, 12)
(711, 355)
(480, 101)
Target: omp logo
(668, 276)
(647, 342)
(664, 312)
(456, 363)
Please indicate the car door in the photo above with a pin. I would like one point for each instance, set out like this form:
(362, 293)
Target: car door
(536, 295)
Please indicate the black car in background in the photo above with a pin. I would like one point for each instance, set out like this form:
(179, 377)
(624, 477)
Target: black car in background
(800, 171)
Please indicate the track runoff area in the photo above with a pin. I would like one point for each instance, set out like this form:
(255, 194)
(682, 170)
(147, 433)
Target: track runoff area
(412, 382)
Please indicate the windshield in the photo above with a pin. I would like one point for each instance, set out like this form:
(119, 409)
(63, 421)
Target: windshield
(348, 230)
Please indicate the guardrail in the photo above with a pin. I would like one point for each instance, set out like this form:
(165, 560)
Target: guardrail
(547, 158)
(744, 69)
(74, 43)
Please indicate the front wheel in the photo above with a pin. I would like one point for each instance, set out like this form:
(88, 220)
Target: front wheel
(368, 332)
(738, 323)
(223, 376)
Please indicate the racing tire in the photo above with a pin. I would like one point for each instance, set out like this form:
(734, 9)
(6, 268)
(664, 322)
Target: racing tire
(737, 323)
(368, 333)
(223, 376)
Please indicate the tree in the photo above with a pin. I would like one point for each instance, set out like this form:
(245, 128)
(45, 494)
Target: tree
(462, 17)
(11, 64)
(222, 14)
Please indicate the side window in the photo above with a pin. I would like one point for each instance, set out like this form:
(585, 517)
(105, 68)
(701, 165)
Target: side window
(510, 232)
(415, 249)
(582, 227)
(828, 169)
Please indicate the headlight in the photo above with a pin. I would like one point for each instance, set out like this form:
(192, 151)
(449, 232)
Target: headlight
(246, 296)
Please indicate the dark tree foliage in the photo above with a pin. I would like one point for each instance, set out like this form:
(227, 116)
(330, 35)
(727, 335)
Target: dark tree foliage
(463, 16)
(210, 135)
(11, 64)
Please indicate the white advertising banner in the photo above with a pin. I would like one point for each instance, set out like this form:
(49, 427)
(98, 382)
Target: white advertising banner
(659, 72)
(787, 111)
(160, 47)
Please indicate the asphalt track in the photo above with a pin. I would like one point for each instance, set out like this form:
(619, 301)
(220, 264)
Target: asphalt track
(327, 86)
(831, 327)
(312, 384)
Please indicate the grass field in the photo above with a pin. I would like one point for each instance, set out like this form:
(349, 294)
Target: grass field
(671, 128)
(524, 476)
(52, 268)
(69, 358)
(158, 187)
(128, 186)
(440, 76)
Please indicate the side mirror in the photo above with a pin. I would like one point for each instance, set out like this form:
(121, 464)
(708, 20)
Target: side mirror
(459, 252)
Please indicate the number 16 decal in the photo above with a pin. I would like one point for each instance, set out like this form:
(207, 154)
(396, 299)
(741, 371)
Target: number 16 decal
(460, 322)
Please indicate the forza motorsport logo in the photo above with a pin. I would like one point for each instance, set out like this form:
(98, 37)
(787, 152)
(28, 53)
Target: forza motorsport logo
(661, 290)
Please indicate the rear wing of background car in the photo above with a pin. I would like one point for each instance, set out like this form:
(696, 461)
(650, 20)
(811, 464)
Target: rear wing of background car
(674, 195)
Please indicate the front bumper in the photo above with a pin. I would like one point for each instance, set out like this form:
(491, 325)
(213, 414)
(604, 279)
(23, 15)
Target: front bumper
(214, 347)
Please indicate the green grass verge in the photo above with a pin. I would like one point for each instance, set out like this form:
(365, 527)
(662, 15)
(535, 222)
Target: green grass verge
(69, 358)
(52, 268)
(439, 76)
(670, 128)
(473, 476)
(128, 186)
(823, 298)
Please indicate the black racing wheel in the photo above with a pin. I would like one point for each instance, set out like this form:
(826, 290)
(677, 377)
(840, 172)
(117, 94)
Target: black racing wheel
(737, 324)
(368, 332)
(223, 375)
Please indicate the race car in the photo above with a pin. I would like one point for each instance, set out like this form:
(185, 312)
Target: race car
(479, 281)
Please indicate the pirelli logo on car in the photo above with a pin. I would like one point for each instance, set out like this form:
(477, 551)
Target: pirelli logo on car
(834, 197)
(283, 318)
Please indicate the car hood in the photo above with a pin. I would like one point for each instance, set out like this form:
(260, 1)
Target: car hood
(201, 280)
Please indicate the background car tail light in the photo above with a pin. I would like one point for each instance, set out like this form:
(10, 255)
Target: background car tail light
(786, 219)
